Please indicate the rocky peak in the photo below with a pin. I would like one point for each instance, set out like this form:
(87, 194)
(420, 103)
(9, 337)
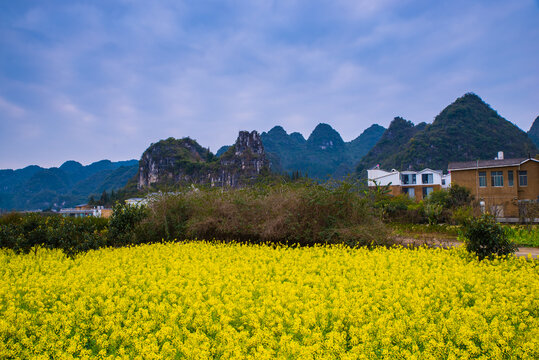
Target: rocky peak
(248, 142)
(184, 161)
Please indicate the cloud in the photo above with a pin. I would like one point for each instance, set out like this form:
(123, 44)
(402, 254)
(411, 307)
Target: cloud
(116, 76)
(10, 109)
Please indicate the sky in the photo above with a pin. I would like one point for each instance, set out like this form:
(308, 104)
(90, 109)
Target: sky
(92, 80)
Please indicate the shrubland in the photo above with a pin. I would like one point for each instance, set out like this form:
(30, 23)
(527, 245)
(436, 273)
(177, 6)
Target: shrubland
(300, 212)
(304, 213)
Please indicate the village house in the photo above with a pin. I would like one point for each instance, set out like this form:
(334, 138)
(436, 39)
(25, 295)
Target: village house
(503, 187)
(416, 184)
(85, 210)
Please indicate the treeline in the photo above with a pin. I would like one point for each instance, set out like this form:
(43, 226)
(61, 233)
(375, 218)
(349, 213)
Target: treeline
(303, 213)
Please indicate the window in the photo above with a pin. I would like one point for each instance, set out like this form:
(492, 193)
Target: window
(443, 181)
(410, 192)
(510, 178)
(408, 179)
(427, 191)
(523, 178)
(482, 179)
(496, 178)
(426, 179)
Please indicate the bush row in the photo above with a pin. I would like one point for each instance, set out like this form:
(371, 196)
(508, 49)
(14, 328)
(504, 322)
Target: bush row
(304, 213)
(27, 232)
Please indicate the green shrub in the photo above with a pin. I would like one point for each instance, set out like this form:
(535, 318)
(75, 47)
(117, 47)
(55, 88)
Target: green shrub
(27, 232)
(485, 237)
(461, 215)
(459, 196)
(123, 224)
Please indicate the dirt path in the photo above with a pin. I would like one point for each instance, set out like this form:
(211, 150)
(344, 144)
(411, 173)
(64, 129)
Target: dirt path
(452, 242)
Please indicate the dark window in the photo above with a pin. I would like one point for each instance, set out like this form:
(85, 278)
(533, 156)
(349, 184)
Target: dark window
(426, 179)
(510, 178)
(496, 178)
(409, 191)
(427, 191)
(408, 179)
(482, 178)
(443, 181)
(523, 178)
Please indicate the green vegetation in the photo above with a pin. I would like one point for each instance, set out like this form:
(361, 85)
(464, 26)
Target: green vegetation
(25, 233)
(324, 154)
(304, 213)
(485, 237)
(523, 235)
(69, 185)
(534, 132)
(300, 213)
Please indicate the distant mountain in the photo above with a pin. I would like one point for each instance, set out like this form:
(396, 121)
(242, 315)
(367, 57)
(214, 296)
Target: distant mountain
(534, 132)
(72, 183)
(467, 129)
(391, 143)
(323, 154)
(173, 162)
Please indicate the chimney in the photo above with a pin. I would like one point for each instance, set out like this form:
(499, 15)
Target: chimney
(500, 155)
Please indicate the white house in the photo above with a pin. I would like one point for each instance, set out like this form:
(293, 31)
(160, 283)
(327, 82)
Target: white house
(417, 184)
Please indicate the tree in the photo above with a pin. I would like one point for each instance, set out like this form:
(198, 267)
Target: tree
(104, 198)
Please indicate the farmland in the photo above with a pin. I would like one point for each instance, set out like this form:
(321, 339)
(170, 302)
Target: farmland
(198, 300)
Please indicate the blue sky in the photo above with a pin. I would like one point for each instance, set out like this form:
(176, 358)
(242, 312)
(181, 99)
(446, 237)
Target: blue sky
(92, 80)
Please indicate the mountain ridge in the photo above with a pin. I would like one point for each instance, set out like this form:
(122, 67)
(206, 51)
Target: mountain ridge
(467, 129)
(34, 187)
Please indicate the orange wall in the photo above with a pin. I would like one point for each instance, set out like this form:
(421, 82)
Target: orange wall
(506, 196)
(106, 213)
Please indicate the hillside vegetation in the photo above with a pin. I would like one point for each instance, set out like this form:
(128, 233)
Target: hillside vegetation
(468, 129)
(72, 183)
(324, 154)
(534, 132)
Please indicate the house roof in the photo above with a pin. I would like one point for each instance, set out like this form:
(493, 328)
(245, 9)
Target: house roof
(479, 164)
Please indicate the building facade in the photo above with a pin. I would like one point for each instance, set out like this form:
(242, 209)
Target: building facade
(416, 184)
(503, 187)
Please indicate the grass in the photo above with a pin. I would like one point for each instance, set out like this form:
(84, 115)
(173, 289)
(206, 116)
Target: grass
(519, 234)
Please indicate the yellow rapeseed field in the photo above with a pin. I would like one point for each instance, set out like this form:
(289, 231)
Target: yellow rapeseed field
(202, 300)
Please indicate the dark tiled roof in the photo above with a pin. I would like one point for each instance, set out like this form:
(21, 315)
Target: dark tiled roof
(484, 163)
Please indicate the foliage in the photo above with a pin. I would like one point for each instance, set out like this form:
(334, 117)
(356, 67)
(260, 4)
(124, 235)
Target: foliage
(323, 154)
(533, 133)
(392, 141)
(467, 129)
(218, 301)
(305, 213)
(461, 215)
(523, 235)
(25, 233)
(485, 237)
(123, 222)
(71, 184)
(459, 196)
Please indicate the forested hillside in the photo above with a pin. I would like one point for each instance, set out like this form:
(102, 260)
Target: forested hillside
(72, 183)
(467, 129)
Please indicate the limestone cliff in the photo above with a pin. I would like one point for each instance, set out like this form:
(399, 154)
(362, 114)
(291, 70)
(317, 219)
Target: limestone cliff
(184, 161)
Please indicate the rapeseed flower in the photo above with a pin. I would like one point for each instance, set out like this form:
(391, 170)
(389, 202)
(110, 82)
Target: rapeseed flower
(198, 300)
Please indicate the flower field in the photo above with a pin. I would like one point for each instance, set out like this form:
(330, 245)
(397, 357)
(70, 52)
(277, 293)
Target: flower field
(202, 300)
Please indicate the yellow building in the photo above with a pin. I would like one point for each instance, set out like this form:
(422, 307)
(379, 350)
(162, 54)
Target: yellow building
(502, 186)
